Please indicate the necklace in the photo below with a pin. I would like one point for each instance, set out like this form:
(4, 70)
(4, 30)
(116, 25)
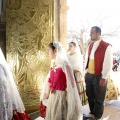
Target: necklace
(54, 66)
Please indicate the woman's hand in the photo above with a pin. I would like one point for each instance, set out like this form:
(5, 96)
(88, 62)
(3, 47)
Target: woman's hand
(46, 96)
(78, 81)
(75, 71)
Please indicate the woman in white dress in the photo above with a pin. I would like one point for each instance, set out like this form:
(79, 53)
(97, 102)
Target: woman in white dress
(76, 60)
(60, 88)
(11, 105)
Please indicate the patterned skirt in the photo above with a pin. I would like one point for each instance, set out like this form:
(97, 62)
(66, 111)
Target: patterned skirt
(82, 92)
(57, 106)
(81, 89)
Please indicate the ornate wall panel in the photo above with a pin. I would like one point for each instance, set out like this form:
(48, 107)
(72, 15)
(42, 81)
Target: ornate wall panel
(29, 31)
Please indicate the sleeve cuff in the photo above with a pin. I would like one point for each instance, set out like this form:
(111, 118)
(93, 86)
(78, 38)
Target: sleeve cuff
(104, 77)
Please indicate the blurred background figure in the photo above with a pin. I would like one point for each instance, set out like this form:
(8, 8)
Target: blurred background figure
(11, 105)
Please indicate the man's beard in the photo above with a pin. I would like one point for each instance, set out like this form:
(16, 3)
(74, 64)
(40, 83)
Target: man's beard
(92, 39)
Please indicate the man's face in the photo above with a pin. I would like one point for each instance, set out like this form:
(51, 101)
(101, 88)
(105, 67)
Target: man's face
(94, 34)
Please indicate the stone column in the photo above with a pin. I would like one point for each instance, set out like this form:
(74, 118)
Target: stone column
(57, 20)
(61, 21)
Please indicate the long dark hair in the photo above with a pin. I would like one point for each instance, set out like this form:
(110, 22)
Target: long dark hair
(73, 43)
(51, 46)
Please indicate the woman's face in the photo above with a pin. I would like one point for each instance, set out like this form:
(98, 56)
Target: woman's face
(71, 47)
(51, 52)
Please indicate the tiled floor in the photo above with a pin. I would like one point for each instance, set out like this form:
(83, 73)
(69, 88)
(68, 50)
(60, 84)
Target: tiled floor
(111, 112)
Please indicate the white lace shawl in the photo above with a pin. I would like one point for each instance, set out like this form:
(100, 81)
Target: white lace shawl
(76, 61)
(9, 95)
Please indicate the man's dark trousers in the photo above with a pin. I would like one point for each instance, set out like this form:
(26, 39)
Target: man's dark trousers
(96, 94)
